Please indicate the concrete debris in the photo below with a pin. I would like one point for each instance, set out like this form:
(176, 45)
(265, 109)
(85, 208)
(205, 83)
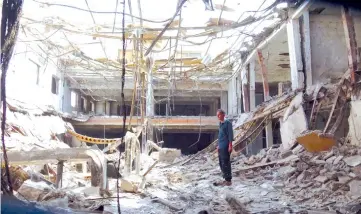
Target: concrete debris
(353, 160)
(322, 179)
(169, 155)
(127, 186)
(355, 188)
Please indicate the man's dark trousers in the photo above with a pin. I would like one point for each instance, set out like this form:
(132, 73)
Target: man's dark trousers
(224, 158)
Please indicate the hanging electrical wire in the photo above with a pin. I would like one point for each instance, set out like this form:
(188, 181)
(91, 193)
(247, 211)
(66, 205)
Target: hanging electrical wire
(9, 31)
(123, 102)
(100, 12)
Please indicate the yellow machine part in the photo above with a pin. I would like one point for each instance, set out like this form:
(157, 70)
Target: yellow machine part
(316, 141)
(92, 140)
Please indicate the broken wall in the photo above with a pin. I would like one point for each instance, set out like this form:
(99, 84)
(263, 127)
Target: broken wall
(354, 121)
(328, 45)
(30, 77)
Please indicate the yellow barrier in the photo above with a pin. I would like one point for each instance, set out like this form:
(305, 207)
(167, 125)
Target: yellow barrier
(92, 140)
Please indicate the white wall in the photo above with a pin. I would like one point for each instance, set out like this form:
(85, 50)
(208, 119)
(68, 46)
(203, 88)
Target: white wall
(328, 45)
(232, 96)
(29, 77)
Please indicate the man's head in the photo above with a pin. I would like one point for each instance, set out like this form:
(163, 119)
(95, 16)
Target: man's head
(221, 114)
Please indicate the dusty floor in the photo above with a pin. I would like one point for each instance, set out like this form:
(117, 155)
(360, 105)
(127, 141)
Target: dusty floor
(190, 188)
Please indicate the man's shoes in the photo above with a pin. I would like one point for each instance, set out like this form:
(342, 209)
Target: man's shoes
(223, 183)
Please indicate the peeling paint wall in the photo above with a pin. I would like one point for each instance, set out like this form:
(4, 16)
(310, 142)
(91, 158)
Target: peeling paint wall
(328, 46)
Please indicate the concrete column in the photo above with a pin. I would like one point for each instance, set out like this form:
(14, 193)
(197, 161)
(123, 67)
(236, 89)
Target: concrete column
(107, 108)
(224, 101)
(114, 108)
(232, 96)
(245, 89)
(306, 47)
(99, 107)
(150, 99)
(78, 102)
(252, 85)
(294, 47)
(66, 103)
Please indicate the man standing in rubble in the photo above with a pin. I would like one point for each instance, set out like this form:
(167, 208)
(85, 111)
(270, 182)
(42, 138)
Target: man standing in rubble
(225, 138)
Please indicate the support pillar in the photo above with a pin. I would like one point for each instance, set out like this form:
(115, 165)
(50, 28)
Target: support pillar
(232, 96)
(107, 108)
(59, 174)
(294, 47)
(150, 97)
(306, 47)
(99, 107)
(224, 101)
(114, 108)
(268, 127)
(252, 85)
(245, 89)
(351, 43)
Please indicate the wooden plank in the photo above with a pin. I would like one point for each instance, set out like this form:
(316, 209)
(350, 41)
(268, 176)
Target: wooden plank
(351, 42)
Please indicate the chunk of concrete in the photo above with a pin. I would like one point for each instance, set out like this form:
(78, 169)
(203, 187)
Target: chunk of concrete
(353, 160)
(337, 160)
(33, 190)
(155, 155)
(127, 186)
(286, 153)
(331, 159)
(322, 179)
(355, 187)
(169, 155)
(343, 179)
(292, 126)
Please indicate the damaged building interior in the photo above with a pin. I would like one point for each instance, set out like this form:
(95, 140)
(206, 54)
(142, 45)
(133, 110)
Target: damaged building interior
(111, 106)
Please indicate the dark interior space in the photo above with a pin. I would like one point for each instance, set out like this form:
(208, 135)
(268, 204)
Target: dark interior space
(183, 141)
(276, 130)
(183, 109)
(136, 112)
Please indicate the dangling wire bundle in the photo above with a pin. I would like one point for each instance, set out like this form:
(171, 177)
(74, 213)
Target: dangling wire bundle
(123, 102)
(9, 31)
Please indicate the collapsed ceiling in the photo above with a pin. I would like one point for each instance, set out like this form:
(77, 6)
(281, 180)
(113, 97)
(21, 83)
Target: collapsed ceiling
(199, 44)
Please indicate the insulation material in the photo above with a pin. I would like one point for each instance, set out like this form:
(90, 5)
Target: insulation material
(294, 125)
(354, 122)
